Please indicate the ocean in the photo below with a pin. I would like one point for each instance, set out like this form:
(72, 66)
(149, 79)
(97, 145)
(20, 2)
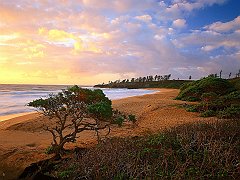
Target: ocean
(13, 98)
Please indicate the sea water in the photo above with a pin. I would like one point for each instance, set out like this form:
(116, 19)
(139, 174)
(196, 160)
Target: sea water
(14, 98)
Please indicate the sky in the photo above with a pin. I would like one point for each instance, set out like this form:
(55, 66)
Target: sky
(93, 41)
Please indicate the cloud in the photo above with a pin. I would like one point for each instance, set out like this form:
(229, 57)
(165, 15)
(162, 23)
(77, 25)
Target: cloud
(34, 50)
(7, 37)
(179, 23)
(184, 5)
(91, 41)
(208, 48)
(78, 43)
(145, 18)
(233, 25)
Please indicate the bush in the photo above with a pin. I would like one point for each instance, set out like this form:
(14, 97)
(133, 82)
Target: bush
(208, 113)
(206, 85)
(119, 121)
(232, 98)
(192, 99)
(208, 97)
(192, 108)
(236, 83)
(231, 112)
(186, 85)
(101, 110)
(190, 93)
(216, 96)
(65, 174)
(49, 150)
(132, 118)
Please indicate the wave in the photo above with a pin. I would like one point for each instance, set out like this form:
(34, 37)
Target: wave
(13, 98)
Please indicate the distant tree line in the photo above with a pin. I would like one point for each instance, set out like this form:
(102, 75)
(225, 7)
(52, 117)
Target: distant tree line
(142, 79)
(148, 81)
(229, 75)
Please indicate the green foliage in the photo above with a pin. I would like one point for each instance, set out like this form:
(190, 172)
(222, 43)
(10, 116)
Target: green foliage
(49, 150)
(217, 97)
(132, 118)
(68, 110)
(209, 96)
(101, 110)
(65, 174)
(205, 85)
(192, 99)
(39, 103)
(89, 96)
(120, 176)
(191, 93)
(176, 84)
(231, 99)
(229, 112)
(119, 120)
(192, 108)
(208, 113)
(236, 83)
(186, 85)
(216, 85)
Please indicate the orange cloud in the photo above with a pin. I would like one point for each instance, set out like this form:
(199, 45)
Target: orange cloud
(69, 39)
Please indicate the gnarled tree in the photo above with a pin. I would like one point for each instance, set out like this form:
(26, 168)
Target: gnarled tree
(74, 110)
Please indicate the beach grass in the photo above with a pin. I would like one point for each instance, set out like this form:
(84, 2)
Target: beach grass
(191, 151)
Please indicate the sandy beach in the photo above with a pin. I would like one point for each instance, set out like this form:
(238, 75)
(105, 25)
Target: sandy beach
(23, 140)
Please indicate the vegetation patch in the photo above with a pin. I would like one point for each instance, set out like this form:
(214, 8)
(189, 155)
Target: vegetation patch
(196, 151)
(216, 96)
(209, 84)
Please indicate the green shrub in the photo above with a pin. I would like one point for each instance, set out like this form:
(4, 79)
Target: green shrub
(232, 98)
(192, 108)
(186, 85)
(65, 174)
(119, 120)
(216, 95)
(101, 110)
(216, 85)
(192, 99)
(229, 113)
(189, 93)
(208, 113)
(235, 82)
(206, 85)
(49, 150)
(208, 97)
(132, 118)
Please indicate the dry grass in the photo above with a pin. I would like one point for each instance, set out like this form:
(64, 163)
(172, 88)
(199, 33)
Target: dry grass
(194, 151)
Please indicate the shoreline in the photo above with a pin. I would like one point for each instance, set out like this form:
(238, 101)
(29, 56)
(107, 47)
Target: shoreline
(16, 115)
(11, 116)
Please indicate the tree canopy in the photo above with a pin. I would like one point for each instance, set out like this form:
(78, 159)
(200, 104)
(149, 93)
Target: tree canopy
(71, 109)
